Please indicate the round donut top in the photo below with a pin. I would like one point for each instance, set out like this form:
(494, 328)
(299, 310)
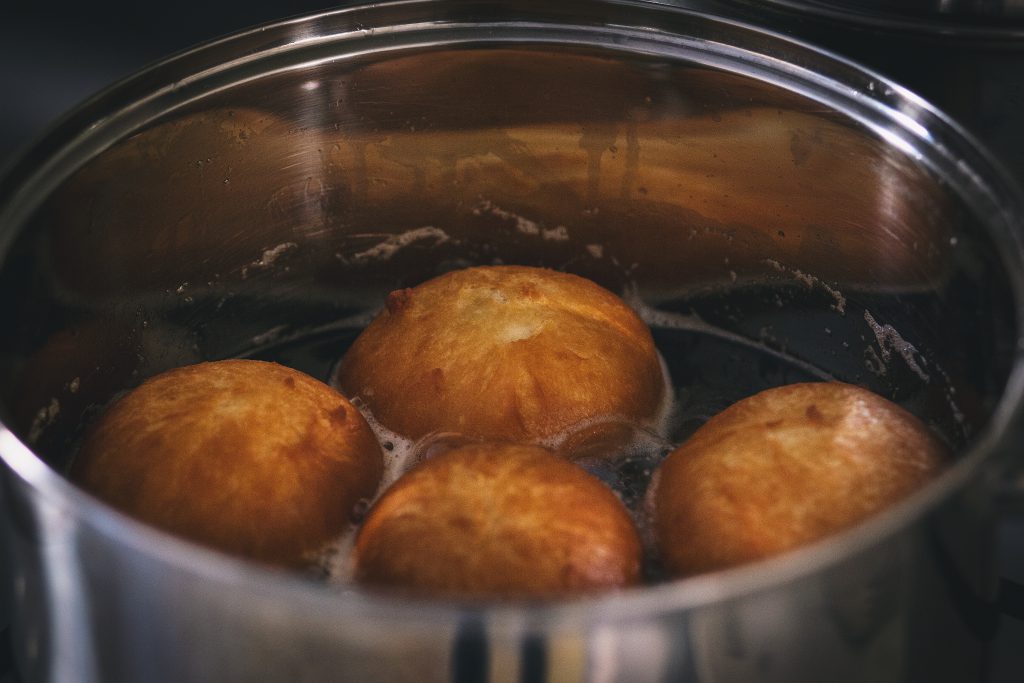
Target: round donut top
(246, 456)
(785, 467)
(498, 521)
(504, 353)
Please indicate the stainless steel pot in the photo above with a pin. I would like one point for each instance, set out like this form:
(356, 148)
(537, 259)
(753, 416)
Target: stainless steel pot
(776, 212)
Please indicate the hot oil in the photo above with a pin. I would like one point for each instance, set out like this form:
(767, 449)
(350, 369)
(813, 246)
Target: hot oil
(706, 368)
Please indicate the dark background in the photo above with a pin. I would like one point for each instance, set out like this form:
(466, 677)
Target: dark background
(55, 55)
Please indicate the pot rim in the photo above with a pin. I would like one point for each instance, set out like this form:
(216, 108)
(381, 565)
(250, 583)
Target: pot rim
(893, 113)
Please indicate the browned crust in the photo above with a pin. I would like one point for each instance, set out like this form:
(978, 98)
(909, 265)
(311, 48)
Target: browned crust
(505, 353)
(498, 521)
(249, 457)
(785, 467)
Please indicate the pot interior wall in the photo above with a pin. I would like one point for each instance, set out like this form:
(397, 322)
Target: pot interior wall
(767, 237)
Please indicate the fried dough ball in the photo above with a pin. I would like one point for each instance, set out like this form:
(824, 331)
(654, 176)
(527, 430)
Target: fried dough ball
(248, 457)
(491, 520)
(785, 467)
(504, 353)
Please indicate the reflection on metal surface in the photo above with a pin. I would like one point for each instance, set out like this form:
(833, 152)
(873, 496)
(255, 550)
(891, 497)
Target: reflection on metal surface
(719, 174)
(161, 202)
(860, 633)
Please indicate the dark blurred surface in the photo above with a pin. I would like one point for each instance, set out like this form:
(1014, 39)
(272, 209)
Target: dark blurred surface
(55, 55)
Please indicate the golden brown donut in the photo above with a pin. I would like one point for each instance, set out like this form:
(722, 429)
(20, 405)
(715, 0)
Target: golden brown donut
(505, 353)
(249, 457)
(785, 467)
(498, 521)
